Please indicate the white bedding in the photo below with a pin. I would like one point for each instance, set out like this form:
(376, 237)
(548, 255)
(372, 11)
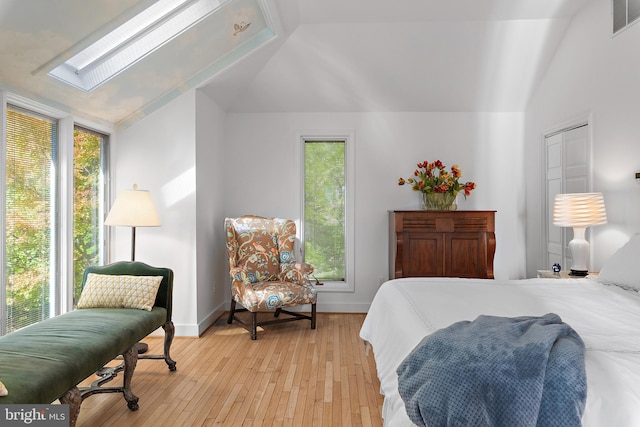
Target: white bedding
(606, 317)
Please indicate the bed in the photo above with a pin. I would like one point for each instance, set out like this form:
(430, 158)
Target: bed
(603, 310)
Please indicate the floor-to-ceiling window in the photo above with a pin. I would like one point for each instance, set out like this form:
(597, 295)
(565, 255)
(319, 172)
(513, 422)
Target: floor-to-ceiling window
(89, 166)
(30, 217)
(54, 194)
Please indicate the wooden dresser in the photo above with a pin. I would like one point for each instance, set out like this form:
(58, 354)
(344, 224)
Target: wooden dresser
(441, 244)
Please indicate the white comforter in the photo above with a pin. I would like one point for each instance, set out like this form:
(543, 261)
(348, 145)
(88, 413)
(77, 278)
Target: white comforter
(606, 317)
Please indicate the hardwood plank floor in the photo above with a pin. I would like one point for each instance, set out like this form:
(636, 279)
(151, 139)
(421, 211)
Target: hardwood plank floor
(290, 376)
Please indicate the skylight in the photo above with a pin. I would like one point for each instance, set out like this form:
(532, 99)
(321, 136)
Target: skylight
(132, 41)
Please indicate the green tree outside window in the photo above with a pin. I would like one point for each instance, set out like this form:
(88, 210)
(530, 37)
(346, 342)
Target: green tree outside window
(324, 208)
(87, 202)
(29, 217)
(31, 214)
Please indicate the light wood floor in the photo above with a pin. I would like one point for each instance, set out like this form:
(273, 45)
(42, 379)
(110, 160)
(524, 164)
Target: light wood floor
(290, 376)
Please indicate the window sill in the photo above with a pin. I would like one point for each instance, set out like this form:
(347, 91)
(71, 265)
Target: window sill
(334, 286)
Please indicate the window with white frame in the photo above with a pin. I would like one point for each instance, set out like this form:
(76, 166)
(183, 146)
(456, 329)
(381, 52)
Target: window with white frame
(43, 155)
(624, 13)
(327, 220)
(136, 38)
(89, 199)
(30, 217)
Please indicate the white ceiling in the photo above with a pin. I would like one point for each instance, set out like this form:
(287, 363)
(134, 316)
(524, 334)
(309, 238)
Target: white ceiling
(38, 35)
(328, 55)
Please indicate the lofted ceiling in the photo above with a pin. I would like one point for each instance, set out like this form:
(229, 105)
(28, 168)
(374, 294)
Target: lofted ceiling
(297, 55)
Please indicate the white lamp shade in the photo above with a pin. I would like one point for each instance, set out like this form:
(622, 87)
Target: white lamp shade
(133, 208)
(579, 210)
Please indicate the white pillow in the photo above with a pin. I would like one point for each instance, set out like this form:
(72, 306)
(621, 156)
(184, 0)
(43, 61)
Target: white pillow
(119, 291)
(621, 269)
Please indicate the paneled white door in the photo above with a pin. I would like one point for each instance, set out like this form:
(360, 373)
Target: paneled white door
(568, 170)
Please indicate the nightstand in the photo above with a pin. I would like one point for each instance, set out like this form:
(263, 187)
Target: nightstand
(564, 274)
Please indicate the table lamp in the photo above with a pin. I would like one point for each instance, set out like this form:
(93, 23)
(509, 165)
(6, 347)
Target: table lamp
(133, 208)
(579, 210)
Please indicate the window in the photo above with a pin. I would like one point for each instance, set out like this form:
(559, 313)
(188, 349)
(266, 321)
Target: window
(54, 194)
(327, 225)
(30, 218)
(136, 38)
(89, 166)
(624, 12)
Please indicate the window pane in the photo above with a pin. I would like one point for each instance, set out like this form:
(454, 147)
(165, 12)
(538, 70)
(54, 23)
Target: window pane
(619, 14)
(634, 11)
(324, 208)
(88, 197)
(30, 218)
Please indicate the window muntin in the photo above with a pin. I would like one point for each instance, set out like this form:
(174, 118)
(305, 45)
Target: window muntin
(30, 218)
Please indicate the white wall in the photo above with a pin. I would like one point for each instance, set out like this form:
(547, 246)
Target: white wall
(593, 74)
(213, 289)
(263, 177)
(177, 154)
(158, 153)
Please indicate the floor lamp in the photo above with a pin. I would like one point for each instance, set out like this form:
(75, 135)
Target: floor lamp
(579, 210)
(133, 208)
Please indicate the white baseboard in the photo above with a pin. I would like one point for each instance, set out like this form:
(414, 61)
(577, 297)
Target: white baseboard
(195, 330)
(337, 307)
(211, 318)
(186, 330)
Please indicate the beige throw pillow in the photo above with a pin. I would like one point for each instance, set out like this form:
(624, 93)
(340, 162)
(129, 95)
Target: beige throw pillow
(119, 291)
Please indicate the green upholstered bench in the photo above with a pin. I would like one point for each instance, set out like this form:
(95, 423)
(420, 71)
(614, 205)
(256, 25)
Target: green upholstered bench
(47, 360)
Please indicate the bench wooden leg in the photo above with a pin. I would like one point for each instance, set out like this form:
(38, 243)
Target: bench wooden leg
(73, 398)
(130, 361)
(128, 366)
(169, 332)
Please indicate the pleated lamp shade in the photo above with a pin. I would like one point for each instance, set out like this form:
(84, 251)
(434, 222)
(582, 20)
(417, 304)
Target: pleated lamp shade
(579, 210)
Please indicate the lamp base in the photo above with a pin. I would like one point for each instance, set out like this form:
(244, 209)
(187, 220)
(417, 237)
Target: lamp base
(579, 248)
(580, 273)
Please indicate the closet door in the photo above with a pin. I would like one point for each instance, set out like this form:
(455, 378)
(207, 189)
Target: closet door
(554, 151)
(567, 171)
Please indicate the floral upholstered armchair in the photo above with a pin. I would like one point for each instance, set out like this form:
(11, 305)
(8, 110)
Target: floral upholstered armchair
(264, 274)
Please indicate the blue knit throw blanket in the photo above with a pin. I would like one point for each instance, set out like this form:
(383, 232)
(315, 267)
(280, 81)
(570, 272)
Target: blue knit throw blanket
(496, 371)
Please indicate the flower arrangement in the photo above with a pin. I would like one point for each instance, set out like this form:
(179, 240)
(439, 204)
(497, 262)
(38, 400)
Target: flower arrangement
(434, 179)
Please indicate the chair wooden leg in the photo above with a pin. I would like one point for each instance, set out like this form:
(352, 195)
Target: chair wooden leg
(232, 310)
(313, 316)
(254, 325)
